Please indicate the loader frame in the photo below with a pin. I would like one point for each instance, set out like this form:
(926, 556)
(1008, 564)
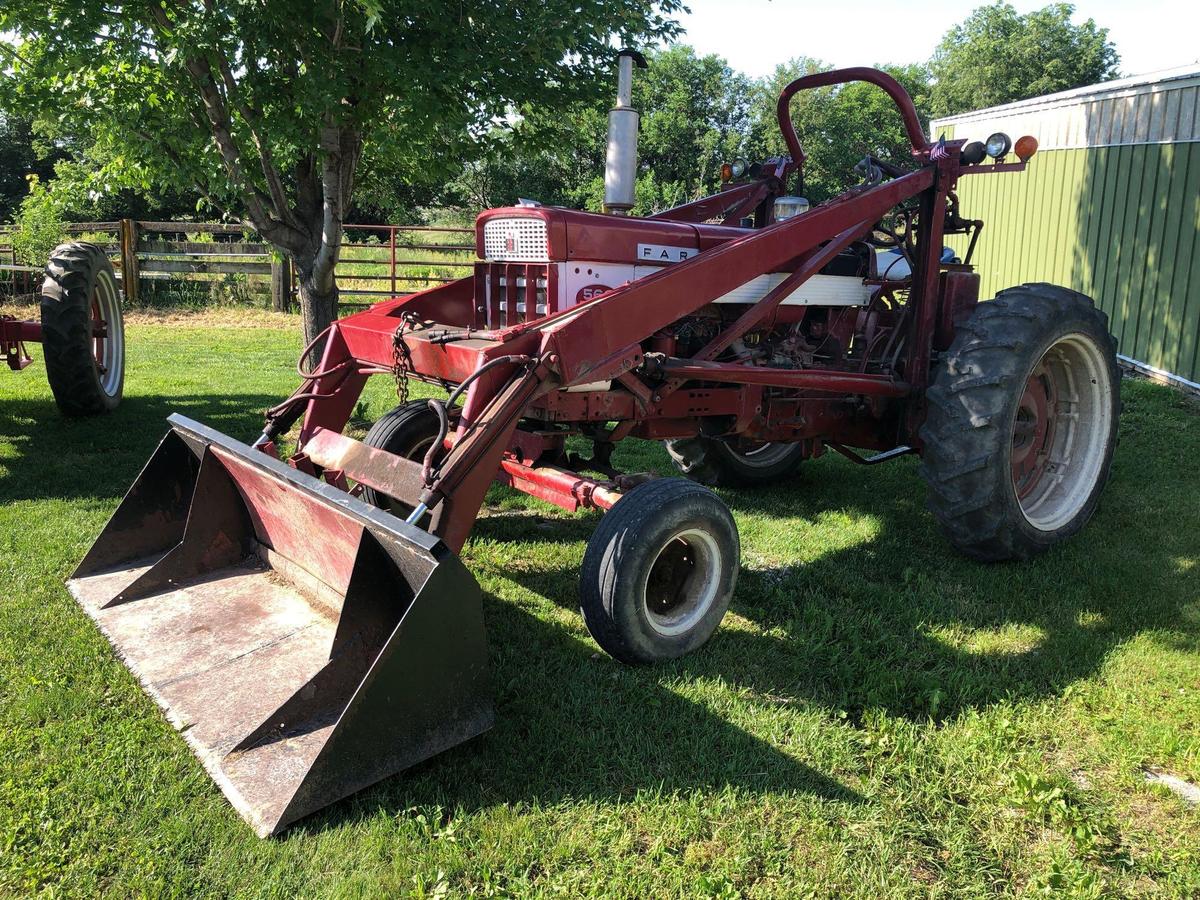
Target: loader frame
(516, 378)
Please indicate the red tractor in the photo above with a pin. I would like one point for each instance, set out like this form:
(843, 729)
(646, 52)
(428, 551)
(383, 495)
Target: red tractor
(308, 619)
(81, 331)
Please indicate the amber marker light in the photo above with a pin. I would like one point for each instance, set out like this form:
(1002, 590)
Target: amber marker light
(1026, 147)
(727, 172)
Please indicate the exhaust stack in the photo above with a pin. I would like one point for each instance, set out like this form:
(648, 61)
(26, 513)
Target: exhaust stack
(621, 160)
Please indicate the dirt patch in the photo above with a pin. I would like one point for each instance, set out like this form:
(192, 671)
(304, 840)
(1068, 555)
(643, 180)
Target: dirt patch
(216, 317)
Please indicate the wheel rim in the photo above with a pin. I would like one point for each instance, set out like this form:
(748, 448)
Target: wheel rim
(108, 338)
(760, 455)
(1060, 432)
(682, 582)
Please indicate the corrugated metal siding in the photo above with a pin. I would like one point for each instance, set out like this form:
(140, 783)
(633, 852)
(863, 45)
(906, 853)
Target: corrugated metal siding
(1118, 222)
(1130, 111)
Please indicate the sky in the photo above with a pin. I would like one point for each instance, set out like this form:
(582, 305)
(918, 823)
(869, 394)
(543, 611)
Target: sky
(756, 35)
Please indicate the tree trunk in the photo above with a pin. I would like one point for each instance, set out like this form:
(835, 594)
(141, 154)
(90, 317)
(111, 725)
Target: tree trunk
(318, 300)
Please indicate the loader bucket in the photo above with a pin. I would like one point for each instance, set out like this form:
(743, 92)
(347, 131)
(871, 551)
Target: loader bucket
(305, 643)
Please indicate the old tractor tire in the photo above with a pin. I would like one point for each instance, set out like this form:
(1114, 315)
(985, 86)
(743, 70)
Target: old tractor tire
(659, 571)
(717, 462)
(86, 373)
(408, 431)
(1022, 423)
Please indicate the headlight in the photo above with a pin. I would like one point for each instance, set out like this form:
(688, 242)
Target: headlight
(787, 207)
(739, 167)
(972, 153)
(998, 145)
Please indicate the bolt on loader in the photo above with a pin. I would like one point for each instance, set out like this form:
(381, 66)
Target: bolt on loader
(307, 623)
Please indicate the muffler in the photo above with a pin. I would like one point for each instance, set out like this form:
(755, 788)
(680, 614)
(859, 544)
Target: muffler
(621, 156)
(305, 643)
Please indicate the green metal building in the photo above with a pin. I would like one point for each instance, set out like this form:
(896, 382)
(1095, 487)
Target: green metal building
(1109, 206)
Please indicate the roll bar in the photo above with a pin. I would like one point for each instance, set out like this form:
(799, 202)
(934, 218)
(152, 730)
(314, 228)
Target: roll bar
(899, 95)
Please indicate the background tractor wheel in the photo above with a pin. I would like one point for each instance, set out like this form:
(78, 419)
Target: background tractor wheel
(734, 463)
(659, 571)
(83, 333)
(408, 431)
(1022, 423)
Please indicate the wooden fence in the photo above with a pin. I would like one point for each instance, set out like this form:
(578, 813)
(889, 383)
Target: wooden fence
(224, 261)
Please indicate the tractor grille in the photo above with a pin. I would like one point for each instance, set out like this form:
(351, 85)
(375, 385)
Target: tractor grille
(508, 294)
(515, 240)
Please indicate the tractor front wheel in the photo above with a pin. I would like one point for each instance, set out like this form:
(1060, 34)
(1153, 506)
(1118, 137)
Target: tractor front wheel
(83, 333)
(734, 462)
(1022, 423)
(659, 571)
(409, 430)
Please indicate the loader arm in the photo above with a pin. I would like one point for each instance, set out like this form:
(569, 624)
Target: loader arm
(591, 334)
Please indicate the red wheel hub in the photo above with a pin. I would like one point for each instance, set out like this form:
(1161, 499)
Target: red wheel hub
(99, 335)
(1033, 431)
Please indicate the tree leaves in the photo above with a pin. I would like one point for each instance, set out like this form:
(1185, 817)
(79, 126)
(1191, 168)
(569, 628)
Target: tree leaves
(999, 56)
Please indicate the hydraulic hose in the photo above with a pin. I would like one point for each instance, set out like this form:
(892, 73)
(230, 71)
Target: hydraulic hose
(440, 408)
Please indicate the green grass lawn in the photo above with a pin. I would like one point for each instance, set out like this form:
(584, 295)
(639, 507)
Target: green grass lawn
(877, 716)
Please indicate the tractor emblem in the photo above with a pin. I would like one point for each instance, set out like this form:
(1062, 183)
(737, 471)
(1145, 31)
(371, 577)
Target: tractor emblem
(510, 242)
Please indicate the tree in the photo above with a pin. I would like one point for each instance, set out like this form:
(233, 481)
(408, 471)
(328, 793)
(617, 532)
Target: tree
(18, 160)
(999, 56)
(837, 125)
(694, 116)
(266, 109)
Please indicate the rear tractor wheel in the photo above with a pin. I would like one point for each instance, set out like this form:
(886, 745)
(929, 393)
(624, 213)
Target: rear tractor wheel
(1022, 423)
(83, 333)
(734, 462)
(659, 571)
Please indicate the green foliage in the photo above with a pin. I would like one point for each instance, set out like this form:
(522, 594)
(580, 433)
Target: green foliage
(39, 226)
(1054, 804)
(837, 125)
(415, 83)
(999, 56)
(508, 102)
(19, 158)
(694, 116)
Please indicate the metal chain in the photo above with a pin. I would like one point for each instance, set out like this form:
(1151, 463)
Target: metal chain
(402, 357)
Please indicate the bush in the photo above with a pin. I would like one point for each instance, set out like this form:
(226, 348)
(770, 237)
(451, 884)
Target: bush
(39, 226)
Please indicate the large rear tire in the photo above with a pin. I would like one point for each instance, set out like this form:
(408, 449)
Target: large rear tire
(659, 572)
(1022, 423)
(733, 463)
(83, 332)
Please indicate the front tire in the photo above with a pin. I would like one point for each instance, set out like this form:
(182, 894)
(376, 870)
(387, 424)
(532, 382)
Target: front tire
(659, 572)
(408, 430)
(1022, 423)
(83, 332)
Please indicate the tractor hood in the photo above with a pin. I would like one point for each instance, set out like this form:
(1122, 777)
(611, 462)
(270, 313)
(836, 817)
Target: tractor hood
(539, 234)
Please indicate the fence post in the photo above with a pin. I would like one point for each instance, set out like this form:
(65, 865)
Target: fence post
(281, 282)
(129, 261)
(393, 242)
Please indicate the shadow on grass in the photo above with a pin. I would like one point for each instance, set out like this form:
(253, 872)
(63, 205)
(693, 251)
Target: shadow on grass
(98, 457)
(574, 726)
(900, 622)
(893, 621)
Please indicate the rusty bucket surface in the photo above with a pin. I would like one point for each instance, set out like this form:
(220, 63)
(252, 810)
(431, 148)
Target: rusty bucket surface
(304, 642)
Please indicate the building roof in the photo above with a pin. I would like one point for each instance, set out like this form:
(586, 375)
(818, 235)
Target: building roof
(1154, 108)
